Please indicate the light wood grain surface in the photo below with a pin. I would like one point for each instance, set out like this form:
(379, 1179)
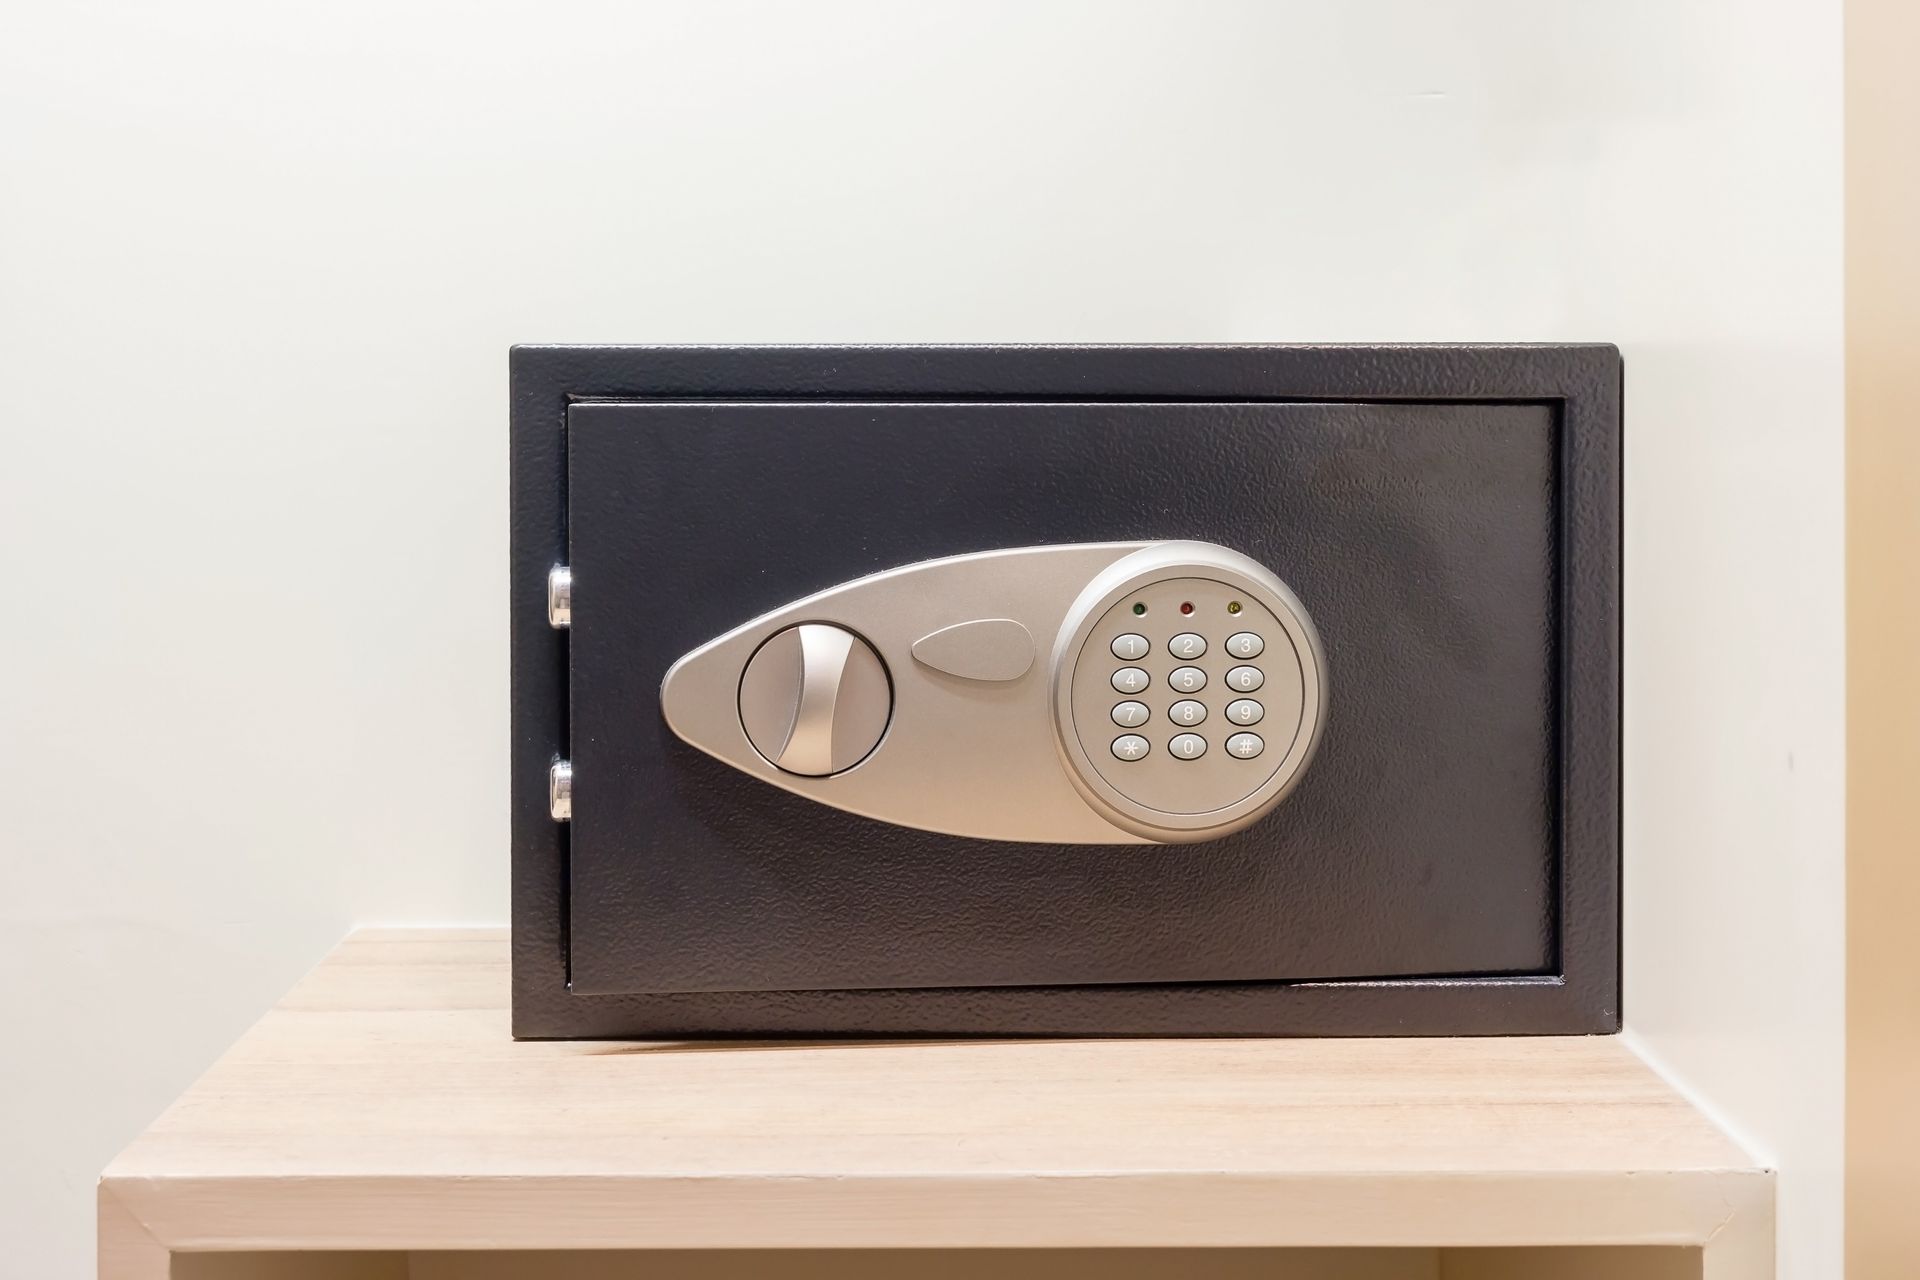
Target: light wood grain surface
(383, 1105)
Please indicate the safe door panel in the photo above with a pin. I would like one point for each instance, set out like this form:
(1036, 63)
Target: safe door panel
(1420, 840)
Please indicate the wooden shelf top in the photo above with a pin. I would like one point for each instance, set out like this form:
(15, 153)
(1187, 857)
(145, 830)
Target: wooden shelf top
(383, 1104)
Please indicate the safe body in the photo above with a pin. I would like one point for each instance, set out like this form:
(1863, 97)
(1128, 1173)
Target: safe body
(1446, 861)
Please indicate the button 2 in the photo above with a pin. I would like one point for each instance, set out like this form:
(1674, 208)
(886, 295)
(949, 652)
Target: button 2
(1187, 645)
(1130, 647)
(1245, 746)
(1129, 746)
(1185, 679)
(1187, 746)
(1130, 715)
(1129, 680)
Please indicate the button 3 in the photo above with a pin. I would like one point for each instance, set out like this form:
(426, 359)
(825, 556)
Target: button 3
(1243, 644)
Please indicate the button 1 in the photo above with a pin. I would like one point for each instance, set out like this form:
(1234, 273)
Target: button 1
(1242, 679)
(1188, 746)
(1187, 645)
(1243, 644)
(1130, 680)
(1131, 715)
(1130, 647)
(1186, 680)
(1129, 746)
(1187, 712)
(1245, 711)
(1245, 746)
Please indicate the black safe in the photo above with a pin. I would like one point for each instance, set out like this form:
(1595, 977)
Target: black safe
(1065, 690)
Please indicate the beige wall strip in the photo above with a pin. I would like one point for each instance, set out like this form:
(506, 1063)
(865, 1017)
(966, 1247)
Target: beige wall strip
(1883, 645)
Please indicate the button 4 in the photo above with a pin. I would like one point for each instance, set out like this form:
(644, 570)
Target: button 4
(1130, 680)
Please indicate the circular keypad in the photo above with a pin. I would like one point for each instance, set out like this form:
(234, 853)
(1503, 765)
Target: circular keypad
(1150, 678)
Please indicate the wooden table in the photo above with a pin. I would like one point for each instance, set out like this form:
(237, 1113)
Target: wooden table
(383, 1107)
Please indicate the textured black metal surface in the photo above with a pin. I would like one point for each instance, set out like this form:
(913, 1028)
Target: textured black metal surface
(1576, 992)
(1421, 842)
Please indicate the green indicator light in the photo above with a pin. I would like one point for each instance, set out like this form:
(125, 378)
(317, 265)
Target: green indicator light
(1139, 609)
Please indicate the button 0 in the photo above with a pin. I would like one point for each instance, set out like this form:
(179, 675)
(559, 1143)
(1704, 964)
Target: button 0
(1245, 679)
(1245, 711)
(1130, 647)
(1187, 712)
(1186, 679)
(1187, 746)
(1131, 715)
(1129, 746)
(1245, 746)
(1187, 645)
(1245, 644)
(1130, 680)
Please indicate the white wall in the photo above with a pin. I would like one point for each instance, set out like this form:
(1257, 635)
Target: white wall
(259, 268)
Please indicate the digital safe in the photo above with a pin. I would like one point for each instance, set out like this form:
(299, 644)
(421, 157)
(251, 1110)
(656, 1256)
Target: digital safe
(1041, 690)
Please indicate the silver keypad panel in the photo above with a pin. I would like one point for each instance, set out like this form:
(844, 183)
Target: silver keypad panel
(1165, 681)
(1086, 693)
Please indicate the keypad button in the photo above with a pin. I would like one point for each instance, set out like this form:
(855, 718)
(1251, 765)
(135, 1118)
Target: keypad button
(1187, 746)
(1187, 645)
(1131, 715)
(1187, 711)
(1186, 680)
(1245, 711)
(1130, 647)
(1245, 746)
(1130, 680)
(1243, 644)
(1129, 746)
(1244, 679)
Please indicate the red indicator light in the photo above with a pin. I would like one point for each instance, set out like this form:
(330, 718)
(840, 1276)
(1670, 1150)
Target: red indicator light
(1187, 607)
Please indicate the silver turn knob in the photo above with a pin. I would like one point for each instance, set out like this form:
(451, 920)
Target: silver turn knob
(815, 699)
